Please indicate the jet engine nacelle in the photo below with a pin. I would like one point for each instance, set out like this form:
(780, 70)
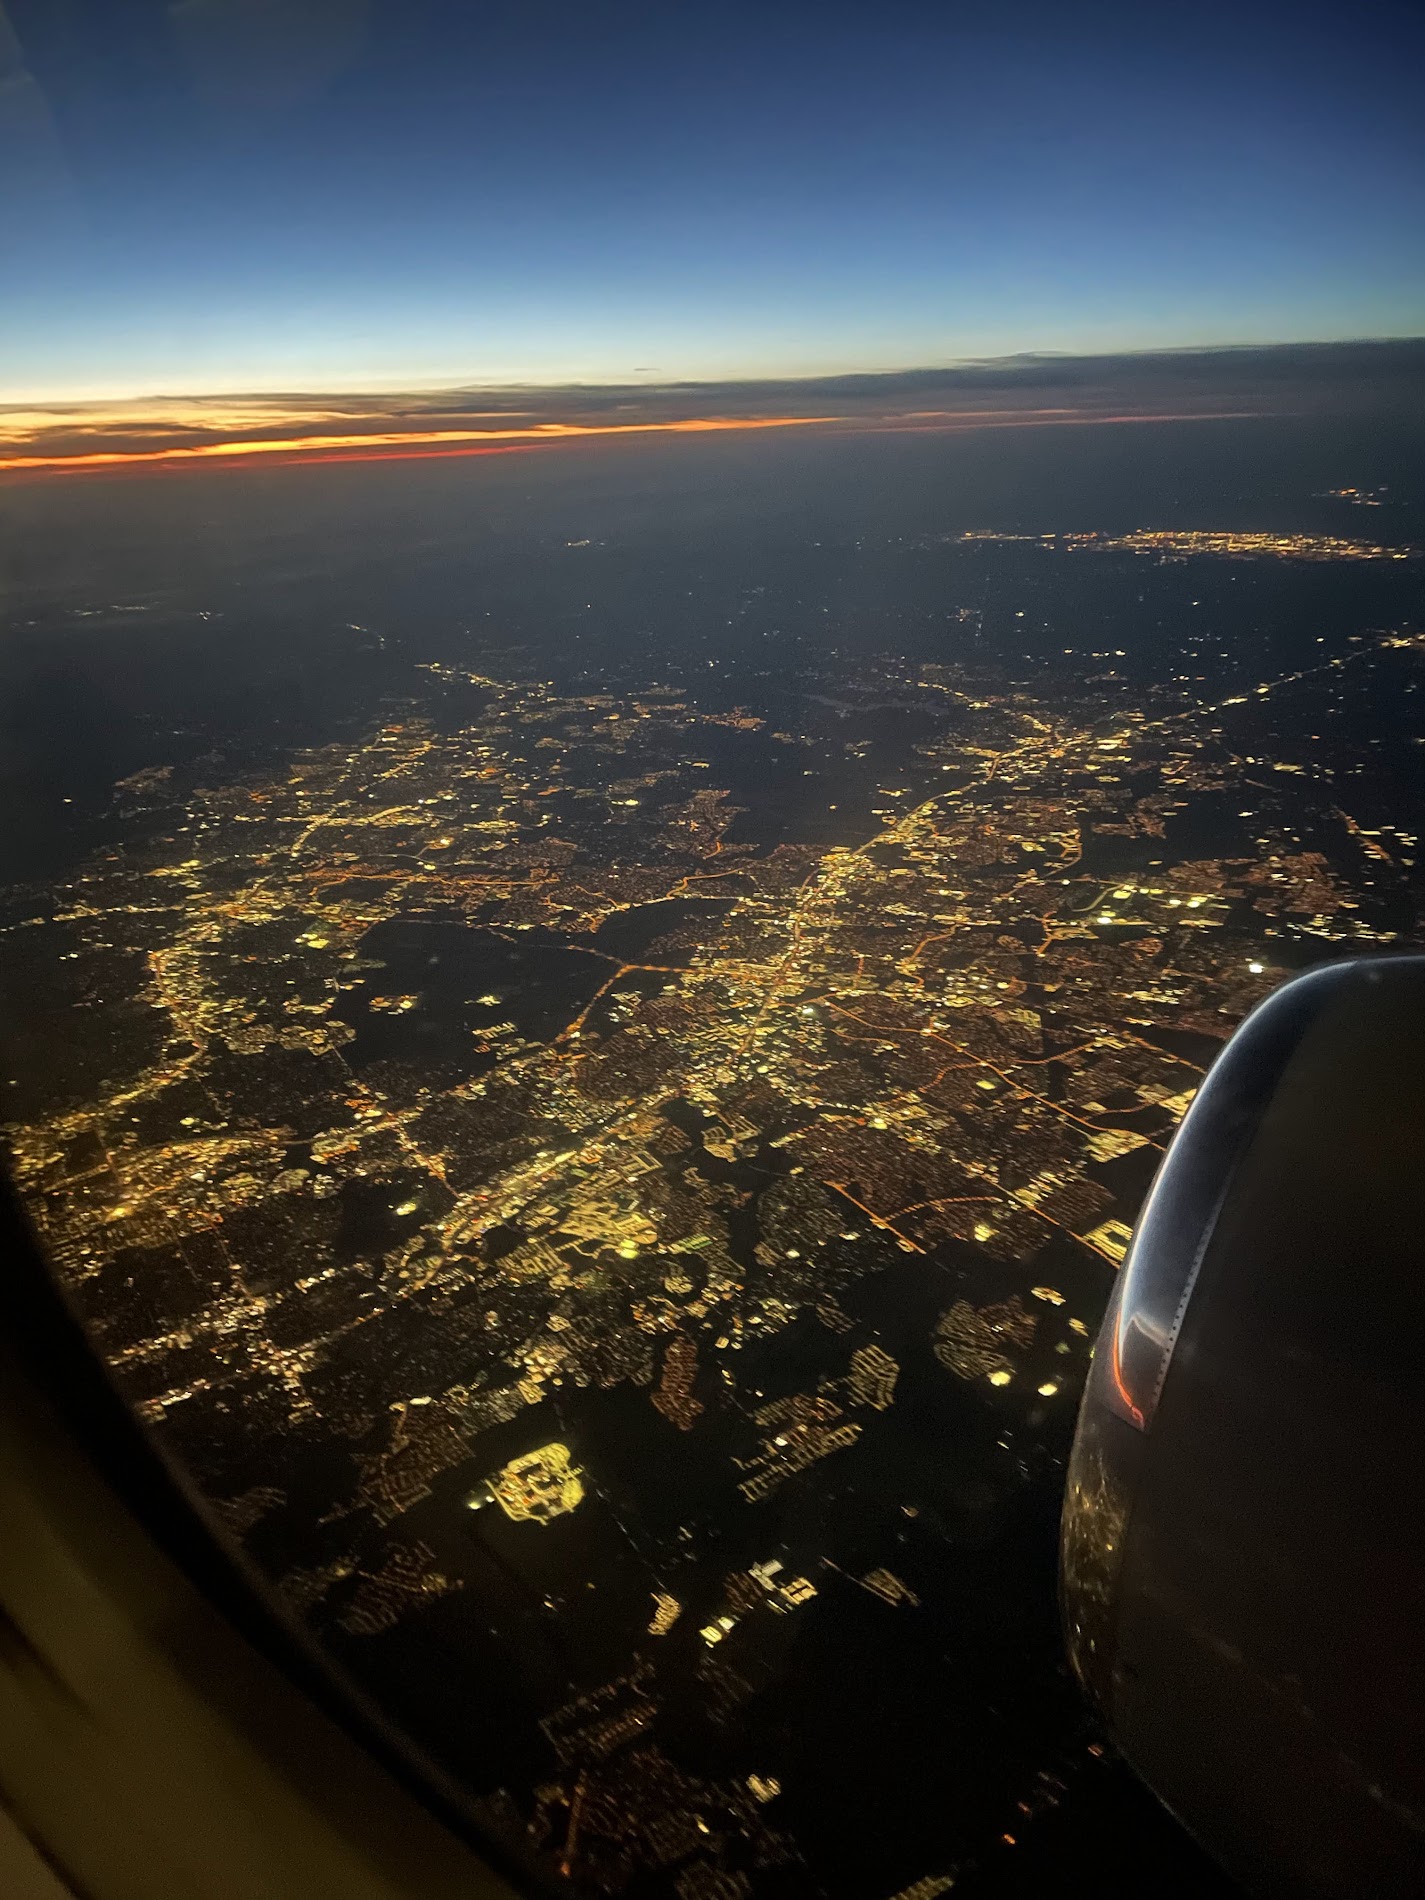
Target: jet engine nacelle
(1243, 1546)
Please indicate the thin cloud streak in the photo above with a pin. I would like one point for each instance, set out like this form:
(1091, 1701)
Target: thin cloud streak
(417, 444)
(1065, 419)
(432, 441)
(284, 428)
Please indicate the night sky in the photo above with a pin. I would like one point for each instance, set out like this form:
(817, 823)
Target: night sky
(226, 195)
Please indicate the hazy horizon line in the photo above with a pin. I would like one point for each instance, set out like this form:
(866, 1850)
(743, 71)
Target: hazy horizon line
(460, 383)
(1369, 377)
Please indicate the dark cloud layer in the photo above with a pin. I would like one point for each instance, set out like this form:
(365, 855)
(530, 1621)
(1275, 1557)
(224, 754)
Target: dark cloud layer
(1346, 379)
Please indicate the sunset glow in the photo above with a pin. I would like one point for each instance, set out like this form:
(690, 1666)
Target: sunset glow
(428, 440)
(403, 444)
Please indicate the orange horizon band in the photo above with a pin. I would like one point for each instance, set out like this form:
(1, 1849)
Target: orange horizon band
(400, 438)
(413, 444)
(327, 458)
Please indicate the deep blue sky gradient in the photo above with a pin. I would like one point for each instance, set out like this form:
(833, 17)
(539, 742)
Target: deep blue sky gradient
(242, 194)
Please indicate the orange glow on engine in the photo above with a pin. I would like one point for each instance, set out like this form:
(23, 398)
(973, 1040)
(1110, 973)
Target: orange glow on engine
(1116, 1369)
